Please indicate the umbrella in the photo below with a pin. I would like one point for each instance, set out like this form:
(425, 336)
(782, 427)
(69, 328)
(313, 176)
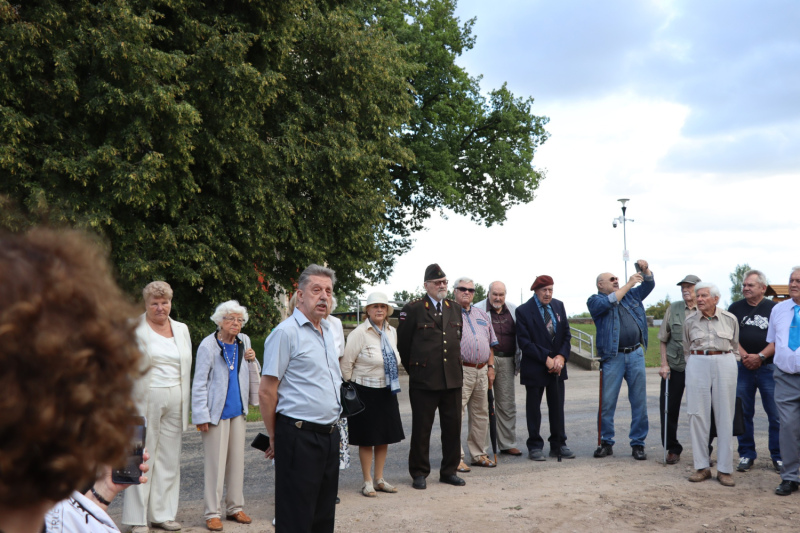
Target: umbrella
(666, 418)
(559, 411)
(492, 424)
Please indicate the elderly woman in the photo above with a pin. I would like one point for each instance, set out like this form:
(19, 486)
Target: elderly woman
(69, 359)
(162, 396)
(220, 395)
(370, 361)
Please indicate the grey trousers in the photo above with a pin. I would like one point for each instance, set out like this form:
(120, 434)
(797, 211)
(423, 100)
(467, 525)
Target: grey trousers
(505, 405)
(787, 400)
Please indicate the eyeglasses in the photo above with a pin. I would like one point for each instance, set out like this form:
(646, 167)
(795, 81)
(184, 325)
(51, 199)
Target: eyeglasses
(464, 289)
(613, 279)
(233, 319)
(438, 282)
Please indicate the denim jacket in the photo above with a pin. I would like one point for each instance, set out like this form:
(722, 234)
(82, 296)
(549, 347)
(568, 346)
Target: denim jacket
(604, 309)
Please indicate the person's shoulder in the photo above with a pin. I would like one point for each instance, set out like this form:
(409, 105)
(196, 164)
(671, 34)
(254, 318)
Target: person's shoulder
(730, 315)
(785, 304)
(691, 314)
(769, 304)
(738, 305)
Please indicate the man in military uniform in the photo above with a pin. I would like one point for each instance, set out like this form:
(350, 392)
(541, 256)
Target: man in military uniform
(428, 339)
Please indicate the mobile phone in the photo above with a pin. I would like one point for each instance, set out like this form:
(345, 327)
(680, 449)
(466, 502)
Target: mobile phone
(261, 442)
(638, 267)
(130, 473)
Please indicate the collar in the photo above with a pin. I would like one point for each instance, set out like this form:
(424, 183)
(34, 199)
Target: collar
(434, 300)
(717, 312)
(540, 304)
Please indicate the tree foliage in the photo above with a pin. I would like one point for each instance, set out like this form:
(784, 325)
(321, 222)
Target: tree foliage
(407, 296)
(658, 310)
(737, 278)
(224, 146)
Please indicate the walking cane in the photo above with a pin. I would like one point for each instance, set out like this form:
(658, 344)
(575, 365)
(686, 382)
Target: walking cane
(666, 417)
(600, 411)
(559, 413)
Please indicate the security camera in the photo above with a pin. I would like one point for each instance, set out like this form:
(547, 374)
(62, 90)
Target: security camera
(614, 222)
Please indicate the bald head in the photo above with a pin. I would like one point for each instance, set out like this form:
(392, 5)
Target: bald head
(497, 294)
(607, 283)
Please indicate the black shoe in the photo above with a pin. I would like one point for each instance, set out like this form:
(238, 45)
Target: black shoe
(745, 464)
(536, 455)
(419, 483)
(638, 453)
(452, 479)
(786, 488)
(604, 450)
(566, 453)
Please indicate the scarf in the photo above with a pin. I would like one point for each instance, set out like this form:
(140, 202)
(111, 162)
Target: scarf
(389, 358)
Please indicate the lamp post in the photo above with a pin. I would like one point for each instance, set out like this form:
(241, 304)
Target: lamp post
(622, 220)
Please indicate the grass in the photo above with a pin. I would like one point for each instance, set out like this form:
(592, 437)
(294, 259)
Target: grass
(651, 359)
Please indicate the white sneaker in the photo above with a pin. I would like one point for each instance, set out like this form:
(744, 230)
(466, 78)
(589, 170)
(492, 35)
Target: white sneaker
(169, 525)
(140, 529)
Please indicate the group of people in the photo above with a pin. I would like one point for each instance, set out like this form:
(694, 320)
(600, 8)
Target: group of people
(58, 479)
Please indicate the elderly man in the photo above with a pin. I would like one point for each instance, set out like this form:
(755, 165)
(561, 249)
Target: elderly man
(299, 398)
(618, 313)
(673, 364)
(544, 338)
(477, 358)
(755, 367)
(428, 339)
(784, 335)
(506, 360)
(711, 347)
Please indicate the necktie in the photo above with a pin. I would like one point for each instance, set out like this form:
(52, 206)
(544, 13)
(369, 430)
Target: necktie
(439, 307)
(548, 323)
(794, 330)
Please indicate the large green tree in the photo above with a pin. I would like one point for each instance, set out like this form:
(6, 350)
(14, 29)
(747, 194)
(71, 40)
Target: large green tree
(223, 146)
(737, 278)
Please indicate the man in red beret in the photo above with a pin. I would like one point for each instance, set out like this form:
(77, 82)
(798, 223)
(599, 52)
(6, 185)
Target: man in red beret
(544, 339)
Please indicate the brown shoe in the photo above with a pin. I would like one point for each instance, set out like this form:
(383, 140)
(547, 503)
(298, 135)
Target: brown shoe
(239, 517)
(673, 458)
(214, 524)
(483, 461)
(726, 480)
(701, 475)
(511, 451)
(463, 468)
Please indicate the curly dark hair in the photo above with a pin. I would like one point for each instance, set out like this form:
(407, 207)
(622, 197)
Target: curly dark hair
(68, 361)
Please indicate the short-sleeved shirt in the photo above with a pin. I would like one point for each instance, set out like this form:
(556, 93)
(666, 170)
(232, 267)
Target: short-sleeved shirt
(477, 336)
(307, 365)
(780, 320)
(753, 323)
(719, 332)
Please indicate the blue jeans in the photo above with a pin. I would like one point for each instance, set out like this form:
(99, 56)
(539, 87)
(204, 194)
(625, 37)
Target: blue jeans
(746, 384)
(631, 367)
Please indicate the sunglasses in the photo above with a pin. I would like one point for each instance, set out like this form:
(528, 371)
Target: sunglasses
(464, 289)
(613, 279)
(438, 282)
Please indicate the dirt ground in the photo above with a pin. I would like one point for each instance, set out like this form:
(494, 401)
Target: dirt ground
(583, 494)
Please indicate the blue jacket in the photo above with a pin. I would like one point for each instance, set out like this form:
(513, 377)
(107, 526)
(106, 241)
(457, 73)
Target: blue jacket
(605, 313)
(535, 344)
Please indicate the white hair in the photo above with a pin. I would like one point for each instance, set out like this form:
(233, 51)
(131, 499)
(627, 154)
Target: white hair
(713, 290)
(794, 269)
(762, 279)
(228, 308)
(461, 280)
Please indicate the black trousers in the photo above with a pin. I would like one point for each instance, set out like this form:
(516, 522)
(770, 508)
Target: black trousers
(306, 478)
(424, 404)
(677, 384)
(555, 412)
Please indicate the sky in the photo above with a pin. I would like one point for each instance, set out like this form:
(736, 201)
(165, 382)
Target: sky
(691, 109)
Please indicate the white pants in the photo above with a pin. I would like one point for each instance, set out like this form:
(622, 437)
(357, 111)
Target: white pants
(711, 382)
(475, 398)
(223, 449)
(157, 500)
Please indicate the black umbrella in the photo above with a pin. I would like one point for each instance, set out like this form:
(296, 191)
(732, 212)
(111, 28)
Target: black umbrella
(559, 413)
(492, 424)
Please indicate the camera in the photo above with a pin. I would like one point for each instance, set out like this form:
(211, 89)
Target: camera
(614, 222)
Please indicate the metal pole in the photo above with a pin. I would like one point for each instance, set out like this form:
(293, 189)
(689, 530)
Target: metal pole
(625, 242)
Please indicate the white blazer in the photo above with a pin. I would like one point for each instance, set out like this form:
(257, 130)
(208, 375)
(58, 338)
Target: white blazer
(142, 387)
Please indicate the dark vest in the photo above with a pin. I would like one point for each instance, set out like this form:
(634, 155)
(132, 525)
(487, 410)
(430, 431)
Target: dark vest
(677, 317)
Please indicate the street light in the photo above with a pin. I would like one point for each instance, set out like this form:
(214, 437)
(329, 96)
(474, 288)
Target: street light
(622, 220)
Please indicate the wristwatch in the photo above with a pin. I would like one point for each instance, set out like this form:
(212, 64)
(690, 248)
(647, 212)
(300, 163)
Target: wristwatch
(491, 366)
(761, 355)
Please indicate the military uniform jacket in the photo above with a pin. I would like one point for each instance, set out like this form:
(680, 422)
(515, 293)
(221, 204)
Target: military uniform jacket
(430, 344)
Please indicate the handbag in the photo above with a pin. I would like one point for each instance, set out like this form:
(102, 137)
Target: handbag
(351, 403)
(254, 373)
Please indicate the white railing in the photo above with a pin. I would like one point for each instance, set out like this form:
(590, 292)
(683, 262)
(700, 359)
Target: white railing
(583, 339)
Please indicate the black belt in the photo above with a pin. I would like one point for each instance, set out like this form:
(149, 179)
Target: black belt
(503, 354)
(310, 426)
(630, 349)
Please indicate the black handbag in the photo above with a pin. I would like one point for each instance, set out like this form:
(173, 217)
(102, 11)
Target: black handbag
(351, 403)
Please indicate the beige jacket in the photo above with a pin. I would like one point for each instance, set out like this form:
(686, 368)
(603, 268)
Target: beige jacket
(363, 359)
(141, 392)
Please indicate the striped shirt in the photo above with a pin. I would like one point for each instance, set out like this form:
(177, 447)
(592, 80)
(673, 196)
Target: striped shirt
(477, 336)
